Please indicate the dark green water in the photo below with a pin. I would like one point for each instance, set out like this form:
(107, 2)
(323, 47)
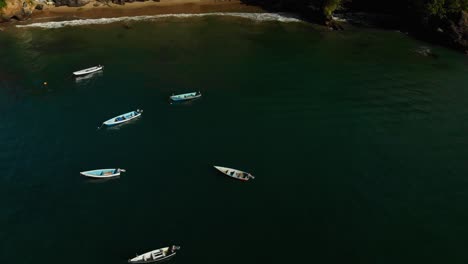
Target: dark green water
(358, 143)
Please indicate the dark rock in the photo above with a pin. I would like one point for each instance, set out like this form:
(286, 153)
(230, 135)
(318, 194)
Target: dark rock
(39, 6)
(334, 25)
(119, 2)
(127, 25)
(71, 3)
(450, 31)
(370, 19)
(458, 32)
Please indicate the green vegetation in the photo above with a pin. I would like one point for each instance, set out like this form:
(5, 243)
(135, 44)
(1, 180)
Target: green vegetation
(2, 3)
(330, 6)
(443, 8)
(422, 8)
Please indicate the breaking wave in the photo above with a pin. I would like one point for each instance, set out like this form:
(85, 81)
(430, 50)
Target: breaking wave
(101, 21)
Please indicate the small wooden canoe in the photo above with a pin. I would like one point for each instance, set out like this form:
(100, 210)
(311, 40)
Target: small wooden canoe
(102, 173)
(155, 255)
(123, 118)
(88, 70)
(185, 97)
(236, 174)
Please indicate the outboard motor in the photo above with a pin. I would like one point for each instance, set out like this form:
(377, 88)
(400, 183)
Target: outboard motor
(175, 248)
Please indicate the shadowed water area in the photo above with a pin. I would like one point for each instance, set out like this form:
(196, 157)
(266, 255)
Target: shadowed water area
(358, 143)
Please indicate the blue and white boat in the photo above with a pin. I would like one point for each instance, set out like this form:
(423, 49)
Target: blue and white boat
(236, 174)
(123, 118)
(185, 97)
(102, 173)
(156, 255)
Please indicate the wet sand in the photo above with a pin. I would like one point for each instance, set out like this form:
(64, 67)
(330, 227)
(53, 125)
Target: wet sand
(140, 8)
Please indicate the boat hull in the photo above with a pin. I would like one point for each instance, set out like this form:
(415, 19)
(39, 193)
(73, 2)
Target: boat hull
(102, 173)
(235, 174)
(88, 71)
(156, 255)
(153, 261)
(122, 118)
(185, 97)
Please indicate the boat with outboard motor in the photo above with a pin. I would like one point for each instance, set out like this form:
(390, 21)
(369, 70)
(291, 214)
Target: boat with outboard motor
(185, 97)
(88, 70)
(156, 255)
(123, 118)
(102, 173)
(236, 174)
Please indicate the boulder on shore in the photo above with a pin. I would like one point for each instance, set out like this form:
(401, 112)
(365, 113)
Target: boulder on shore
(459, 32)
(16, 9)
(450, 31)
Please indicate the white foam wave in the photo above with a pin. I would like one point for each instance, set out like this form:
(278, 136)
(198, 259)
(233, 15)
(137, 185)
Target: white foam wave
(101, 21)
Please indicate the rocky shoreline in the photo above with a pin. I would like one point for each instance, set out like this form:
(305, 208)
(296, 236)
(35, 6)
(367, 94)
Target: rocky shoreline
(52, 11)
(451, 32)
(20, 10)
(78, 3)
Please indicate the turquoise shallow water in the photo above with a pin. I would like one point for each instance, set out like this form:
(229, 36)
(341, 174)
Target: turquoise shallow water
(358, 144)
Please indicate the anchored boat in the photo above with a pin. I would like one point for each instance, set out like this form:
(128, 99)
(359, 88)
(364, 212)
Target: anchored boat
(102, 173)
(123, 118)
(185, 97)
(88, 70)
(155, 255)
(236, 174)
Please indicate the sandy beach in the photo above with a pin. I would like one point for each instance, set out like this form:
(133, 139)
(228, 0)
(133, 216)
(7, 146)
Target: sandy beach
(99, 10)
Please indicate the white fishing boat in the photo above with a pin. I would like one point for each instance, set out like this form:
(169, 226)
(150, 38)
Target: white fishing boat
(102, 173)
(88, 70)
(236, 174)
(155, 255)
(123, 118)
(185, 97)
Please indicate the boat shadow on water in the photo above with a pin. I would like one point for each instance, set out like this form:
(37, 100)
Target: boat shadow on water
(120, 126)
(88, 78)
(96, 181)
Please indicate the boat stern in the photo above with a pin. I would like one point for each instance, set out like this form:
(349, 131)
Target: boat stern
(175, 248)
(109, 122)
